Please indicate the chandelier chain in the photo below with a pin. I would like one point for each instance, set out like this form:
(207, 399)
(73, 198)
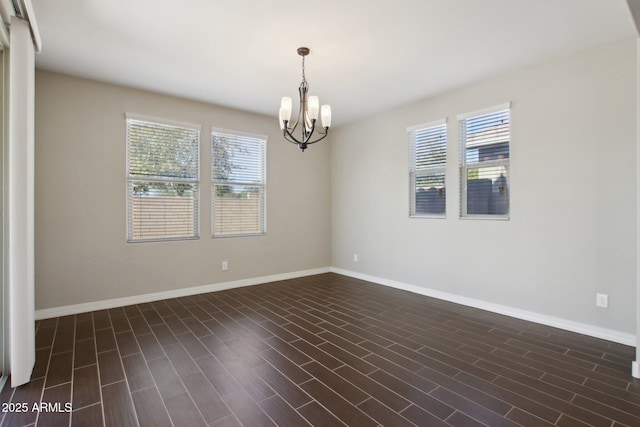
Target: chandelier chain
(304, 78)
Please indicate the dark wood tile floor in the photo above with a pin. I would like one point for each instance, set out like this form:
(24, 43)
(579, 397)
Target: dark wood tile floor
(321, 350)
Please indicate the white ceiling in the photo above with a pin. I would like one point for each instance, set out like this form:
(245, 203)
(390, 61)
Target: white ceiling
(366, 56)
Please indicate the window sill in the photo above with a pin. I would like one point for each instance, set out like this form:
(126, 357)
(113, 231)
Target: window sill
(486, 217)
(428, 216)
(227, 236)
(172, 239)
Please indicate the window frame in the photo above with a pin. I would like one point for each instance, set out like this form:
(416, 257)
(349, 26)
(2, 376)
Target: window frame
(464, 166)
(262, 184)
(161, 179)
(415, 171)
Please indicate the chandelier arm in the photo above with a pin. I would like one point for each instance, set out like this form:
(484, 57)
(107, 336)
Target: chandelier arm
(293, 142)
(292, 139)
(324, 135)
(295, 124)
(313, 128)
(288, 135)
(288, 131)
(323, 130)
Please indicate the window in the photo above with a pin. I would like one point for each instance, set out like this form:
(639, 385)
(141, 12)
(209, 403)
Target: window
(162, 180)
(484, 163)
(237, 183)
(427, 169)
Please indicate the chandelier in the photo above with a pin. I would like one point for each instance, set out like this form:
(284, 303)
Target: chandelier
(307, 115)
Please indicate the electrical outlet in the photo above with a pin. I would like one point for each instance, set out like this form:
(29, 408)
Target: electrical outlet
(225, 265)
(355, 257)
(602, 300)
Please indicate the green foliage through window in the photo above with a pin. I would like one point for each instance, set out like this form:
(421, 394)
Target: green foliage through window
(163, 175)
(238, 183)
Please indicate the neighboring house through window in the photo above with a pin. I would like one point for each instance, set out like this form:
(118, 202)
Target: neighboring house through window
(427, 169)
(162, 179)
(485, 139)
(237, 183)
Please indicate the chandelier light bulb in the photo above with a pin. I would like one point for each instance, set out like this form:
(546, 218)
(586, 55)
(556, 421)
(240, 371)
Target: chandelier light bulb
(326, 116)
(313, 107)
(285, 107)
(281, 119)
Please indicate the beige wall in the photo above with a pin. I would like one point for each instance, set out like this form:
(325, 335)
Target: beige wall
(81, 249)
(573, 194)
(573, 197)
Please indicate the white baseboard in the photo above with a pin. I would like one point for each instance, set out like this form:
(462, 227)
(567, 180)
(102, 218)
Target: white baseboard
(174, 293)
(581, 328)
(556, 322)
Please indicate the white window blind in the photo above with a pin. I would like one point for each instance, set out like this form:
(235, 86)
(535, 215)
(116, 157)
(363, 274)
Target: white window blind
(237, 183)
(427, 169)
(163, 180)
(484, 163)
